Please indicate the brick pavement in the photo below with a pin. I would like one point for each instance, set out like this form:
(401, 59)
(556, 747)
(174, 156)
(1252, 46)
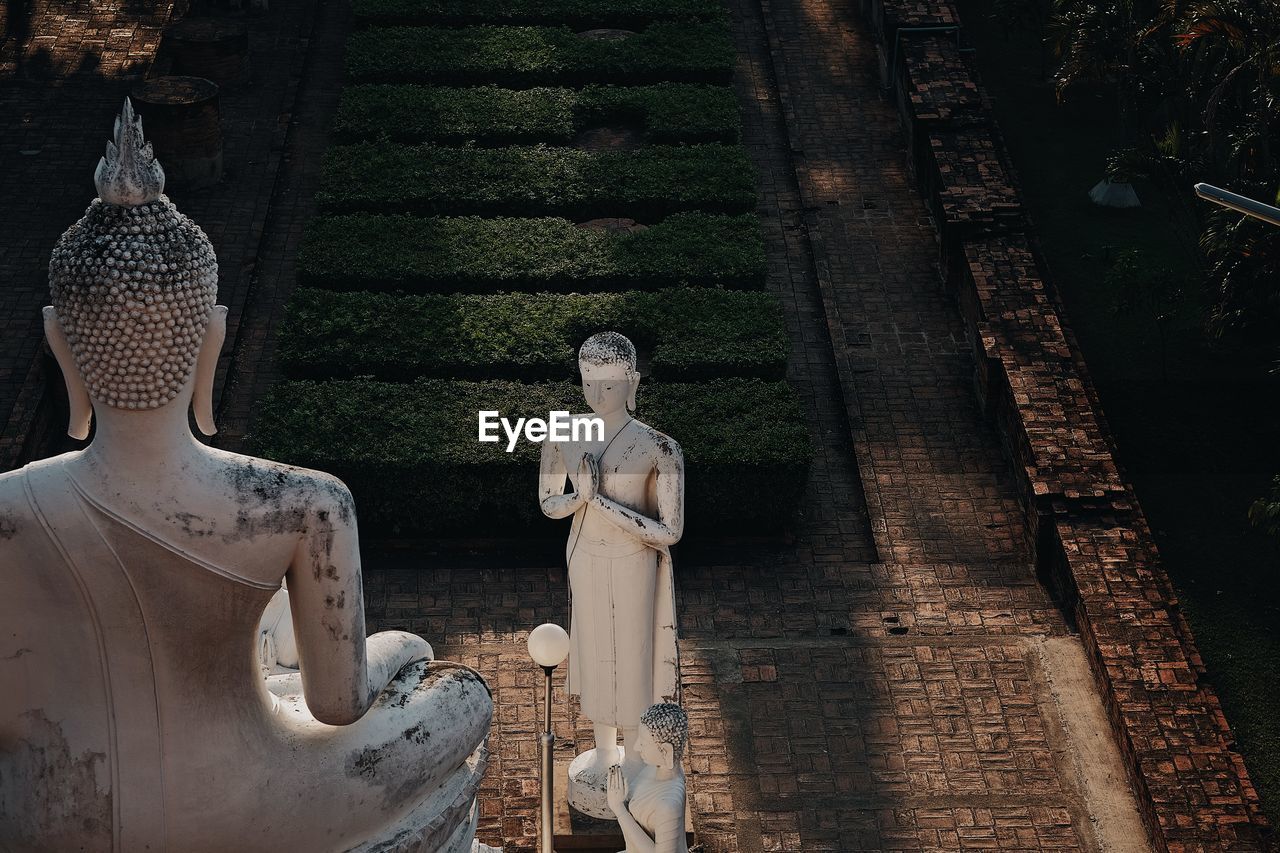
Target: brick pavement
(42, 40)
(250, 366)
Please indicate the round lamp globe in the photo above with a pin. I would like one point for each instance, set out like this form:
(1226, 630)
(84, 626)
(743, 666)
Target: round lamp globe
(548, 644)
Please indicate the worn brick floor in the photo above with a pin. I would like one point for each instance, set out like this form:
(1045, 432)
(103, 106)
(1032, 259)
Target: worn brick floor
(250, 364)
(874, 686)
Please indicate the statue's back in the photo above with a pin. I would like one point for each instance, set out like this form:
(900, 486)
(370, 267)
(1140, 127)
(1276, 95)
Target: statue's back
(111, 671)
(133, 715)
(56, 728)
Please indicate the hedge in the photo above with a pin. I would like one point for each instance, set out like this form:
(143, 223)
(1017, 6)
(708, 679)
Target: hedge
(538, 56)
(475, 254)
(664, 112)
(646, 184)
(575, 13)
(409, 452)
(687, 334)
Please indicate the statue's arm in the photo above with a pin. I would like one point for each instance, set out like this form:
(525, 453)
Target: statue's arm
(551, 483)
(668, 527)
(638, 841)
(667, 832)
(669, 829)
(342, 673)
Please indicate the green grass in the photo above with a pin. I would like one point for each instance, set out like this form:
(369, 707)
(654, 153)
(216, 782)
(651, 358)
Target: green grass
(539, 56)
(1196, 427)
(646, 184)
(576, 13)
(490, 115)
(471, 253)
(688, 334)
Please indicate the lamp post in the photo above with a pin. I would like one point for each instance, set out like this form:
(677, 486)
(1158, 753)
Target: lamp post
(1241, 203)
(548, 646)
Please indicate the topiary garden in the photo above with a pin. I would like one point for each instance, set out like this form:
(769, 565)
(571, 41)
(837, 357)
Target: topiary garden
(500, 187)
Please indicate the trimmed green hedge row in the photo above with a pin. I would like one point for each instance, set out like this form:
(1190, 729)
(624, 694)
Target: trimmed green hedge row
(409, 452)
(665, 112)
(646, 184)
(538, 56)
(474, 254)
(572, 13)
(688, 334)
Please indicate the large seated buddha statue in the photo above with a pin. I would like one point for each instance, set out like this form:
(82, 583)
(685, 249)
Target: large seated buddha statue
(134, 715)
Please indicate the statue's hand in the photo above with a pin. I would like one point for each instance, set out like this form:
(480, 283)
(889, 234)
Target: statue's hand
(588, 478)
(617, 788)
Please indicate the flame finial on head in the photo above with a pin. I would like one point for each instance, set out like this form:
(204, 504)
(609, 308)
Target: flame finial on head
(129, 174)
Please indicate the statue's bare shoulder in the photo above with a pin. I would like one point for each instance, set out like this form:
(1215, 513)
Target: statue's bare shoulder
(664, 447)
(14, 502)
(255, 512)
(14, 515)
(256, 485)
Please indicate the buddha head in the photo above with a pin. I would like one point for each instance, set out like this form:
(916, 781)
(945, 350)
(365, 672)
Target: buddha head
(133, 284)
(610, 375)
(663, 733)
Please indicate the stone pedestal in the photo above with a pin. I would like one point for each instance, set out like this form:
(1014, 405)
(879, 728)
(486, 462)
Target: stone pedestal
(216, 49)
(587, 788)
(181, 118)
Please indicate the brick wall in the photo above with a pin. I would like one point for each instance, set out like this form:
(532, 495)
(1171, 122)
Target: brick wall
(1092, 543)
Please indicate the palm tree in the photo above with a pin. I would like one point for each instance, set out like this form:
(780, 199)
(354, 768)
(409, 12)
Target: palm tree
(1244, 268)
(1234, 48)
(1117, 44)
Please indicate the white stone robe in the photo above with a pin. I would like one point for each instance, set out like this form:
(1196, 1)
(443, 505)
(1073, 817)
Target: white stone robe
(626, 587)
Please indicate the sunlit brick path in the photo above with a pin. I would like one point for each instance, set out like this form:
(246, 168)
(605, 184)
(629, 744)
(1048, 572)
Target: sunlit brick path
(886, 683)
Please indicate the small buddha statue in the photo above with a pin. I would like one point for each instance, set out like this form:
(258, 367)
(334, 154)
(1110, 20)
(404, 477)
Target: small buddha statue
(134, 714)
(627, 503)
(651, 807)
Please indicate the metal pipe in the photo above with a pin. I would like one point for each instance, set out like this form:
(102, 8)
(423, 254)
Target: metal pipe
(547, 842)
(1240, 203)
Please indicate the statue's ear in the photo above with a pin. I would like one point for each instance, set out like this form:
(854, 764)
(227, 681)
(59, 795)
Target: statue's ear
(667, 753)
(207, 369)
(77, 394)
(631, 397)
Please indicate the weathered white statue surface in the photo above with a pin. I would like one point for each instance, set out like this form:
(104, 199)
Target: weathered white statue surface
(627, 503)
(133, 710)
(650, 808)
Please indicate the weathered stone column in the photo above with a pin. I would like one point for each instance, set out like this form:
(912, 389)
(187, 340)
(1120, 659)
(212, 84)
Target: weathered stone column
(216, 49)
(181, 117)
